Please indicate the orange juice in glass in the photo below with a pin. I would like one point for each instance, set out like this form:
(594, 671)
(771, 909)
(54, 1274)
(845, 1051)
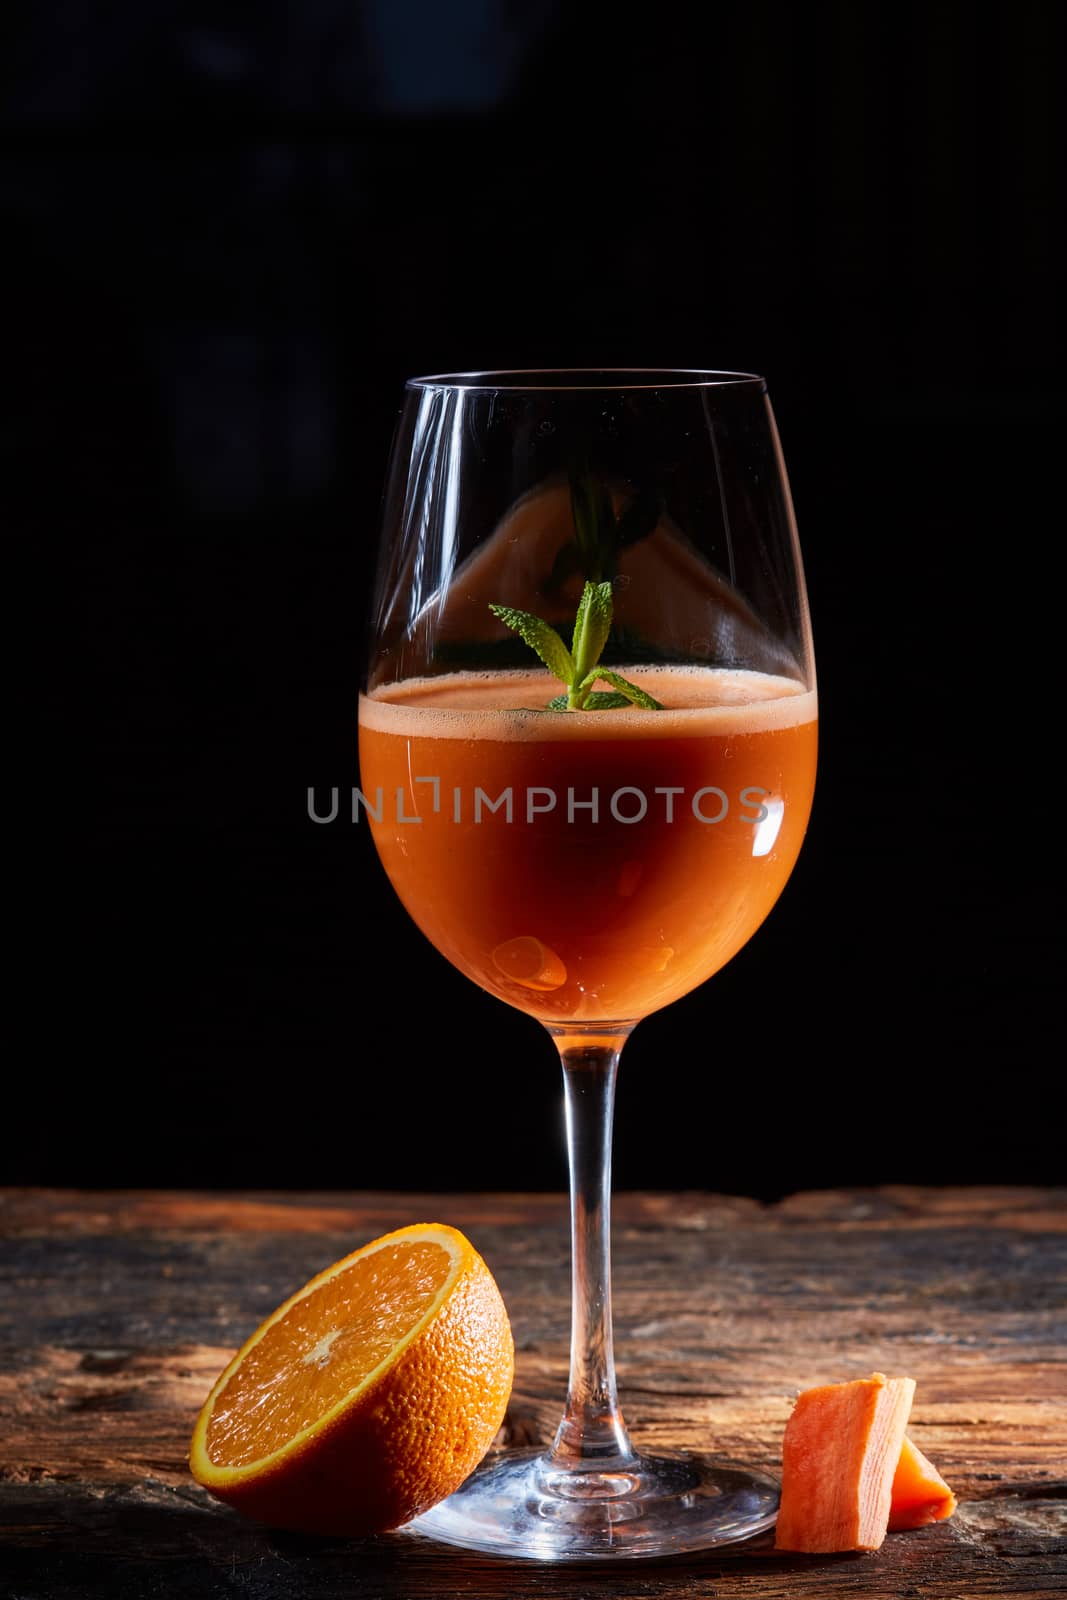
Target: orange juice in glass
(589, 866)
(587, 747)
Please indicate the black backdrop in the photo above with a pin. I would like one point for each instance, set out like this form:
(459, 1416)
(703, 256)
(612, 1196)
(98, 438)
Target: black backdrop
(231, 235)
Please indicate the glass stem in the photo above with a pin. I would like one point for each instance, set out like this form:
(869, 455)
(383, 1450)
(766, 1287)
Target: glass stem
(592, 1434)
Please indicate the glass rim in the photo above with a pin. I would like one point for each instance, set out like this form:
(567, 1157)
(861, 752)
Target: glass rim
(521, 380)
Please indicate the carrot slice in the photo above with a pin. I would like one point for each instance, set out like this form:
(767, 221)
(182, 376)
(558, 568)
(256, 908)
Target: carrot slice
(920, 1493)
(839, 1455)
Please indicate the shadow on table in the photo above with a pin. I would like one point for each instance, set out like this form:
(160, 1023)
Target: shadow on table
(127, 1544)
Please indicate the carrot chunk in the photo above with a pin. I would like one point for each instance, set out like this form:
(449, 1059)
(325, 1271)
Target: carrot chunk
(840, 1452)
(920, 1493)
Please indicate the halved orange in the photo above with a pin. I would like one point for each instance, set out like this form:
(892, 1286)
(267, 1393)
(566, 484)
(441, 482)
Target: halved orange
(368, 1396)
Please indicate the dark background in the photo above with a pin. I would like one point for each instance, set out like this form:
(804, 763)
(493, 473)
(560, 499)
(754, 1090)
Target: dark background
(231, 235)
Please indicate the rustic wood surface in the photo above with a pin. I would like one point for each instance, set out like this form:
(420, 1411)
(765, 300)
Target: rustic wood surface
(120, 1309)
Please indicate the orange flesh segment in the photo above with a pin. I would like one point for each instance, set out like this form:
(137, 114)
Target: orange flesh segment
(839, 1454)
(322, 1348)
(920, 1493)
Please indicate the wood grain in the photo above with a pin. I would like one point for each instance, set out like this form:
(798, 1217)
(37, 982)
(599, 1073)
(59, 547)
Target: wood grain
(119, 1310)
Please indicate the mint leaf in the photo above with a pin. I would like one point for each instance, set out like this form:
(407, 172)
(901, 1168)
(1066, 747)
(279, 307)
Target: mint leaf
(629, 693)
(599, 701)
(595, 700)
(577, 667)
(542, 639)
(591, 627)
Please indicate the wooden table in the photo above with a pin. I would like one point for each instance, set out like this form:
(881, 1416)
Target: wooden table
(120, 1309)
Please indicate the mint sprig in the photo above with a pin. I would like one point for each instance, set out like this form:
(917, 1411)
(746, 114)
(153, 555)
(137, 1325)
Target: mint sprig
(577, 668)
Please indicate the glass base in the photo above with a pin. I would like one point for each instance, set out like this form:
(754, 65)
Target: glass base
(521, 1504)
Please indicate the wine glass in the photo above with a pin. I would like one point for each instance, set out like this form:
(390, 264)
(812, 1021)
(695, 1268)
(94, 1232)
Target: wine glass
(587, 744)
